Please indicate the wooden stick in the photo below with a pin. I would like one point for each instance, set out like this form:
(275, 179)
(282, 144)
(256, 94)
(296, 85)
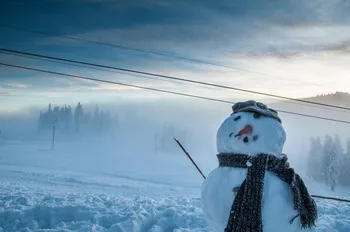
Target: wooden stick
(331, 198)
(188, 155)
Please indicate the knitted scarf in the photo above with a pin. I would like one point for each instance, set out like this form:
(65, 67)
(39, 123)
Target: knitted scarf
(245, 214)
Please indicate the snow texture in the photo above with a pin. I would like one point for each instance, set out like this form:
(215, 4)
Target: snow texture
(95, 187)
(29, 209)
(23, 209)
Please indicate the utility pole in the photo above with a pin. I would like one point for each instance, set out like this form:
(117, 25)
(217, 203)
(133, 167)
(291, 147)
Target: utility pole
(53, 134)
(155, 143)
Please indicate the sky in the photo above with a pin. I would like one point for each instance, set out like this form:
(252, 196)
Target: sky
(293, 48)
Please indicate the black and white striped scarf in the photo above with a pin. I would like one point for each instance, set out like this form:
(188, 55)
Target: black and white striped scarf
(245, 215)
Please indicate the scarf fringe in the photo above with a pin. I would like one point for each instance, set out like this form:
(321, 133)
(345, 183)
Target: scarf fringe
(245, 215)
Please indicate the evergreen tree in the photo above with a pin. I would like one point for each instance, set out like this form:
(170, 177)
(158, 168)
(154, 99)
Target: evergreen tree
(108, 121)
(41, 121)
(311, 158)
(78, 116)
(101, 121)
(318, 162)
(330, 163)
(56, 109)
(314, 164)
(345, 171)
(338, 159)
(69, 116)
(96, 119)
(326, 156)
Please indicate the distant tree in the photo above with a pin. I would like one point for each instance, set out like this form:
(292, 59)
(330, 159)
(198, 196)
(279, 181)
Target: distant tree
(86, 118)
(311, 158)
(69, 116)
(314, 164)
(326, 158)
(96, 119)
(347, 162)
(330, 163)
(78, 115)
(41, 121)
(108, 121)
(338, 159)
(56, 109)
(101, 120)
(345, 170)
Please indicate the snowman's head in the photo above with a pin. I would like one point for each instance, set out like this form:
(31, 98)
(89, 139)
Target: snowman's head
(251, 129)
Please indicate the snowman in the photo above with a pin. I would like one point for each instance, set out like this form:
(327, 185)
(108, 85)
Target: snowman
(254, 189)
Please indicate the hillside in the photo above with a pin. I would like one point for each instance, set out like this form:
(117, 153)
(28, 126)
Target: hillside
(300, 128)
(337, 98)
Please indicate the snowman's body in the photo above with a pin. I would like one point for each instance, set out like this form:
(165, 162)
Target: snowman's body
(252, 134)
(277, 201)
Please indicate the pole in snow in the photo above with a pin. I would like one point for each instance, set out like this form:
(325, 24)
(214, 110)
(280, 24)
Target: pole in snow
(53, 134)
(155, 143)
(188, 155)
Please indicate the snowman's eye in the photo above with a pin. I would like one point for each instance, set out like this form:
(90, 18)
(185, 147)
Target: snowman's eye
(237, 118)
(257, 115)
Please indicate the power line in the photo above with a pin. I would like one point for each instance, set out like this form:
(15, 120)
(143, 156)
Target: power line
(160, 90)
(84, 66)
(151, 52)
(116, 83)
(96, 68)
(100, 69)
(174, 78)
(114, 71)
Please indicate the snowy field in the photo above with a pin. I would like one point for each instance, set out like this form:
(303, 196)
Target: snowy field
(96, 186)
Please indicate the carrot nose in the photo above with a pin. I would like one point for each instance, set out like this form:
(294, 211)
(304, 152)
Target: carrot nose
(246, 130)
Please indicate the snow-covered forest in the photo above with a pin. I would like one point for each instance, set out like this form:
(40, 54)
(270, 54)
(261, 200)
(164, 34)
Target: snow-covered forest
(101, 121)
(328, 161)
(65, 119)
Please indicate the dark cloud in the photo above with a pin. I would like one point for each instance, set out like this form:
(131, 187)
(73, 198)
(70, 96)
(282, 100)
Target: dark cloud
(158, 24)
(207, 30)
(342, 48)
(5, 92)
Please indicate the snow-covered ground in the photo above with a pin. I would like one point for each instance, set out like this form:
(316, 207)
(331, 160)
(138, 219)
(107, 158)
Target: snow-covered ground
(95, 186)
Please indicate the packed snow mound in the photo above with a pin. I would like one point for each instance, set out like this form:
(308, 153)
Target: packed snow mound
(333, 216)
(91, 187)
(24, 210)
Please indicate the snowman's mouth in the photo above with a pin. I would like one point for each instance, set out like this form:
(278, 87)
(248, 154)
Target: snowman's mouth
(246, 139)
(246, 132)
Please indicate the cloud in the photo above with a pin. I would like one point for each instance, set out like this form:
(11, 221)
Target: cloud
(297, 41)
(214, 30)
(342, 46)
(5, 92)
(299, 46)
(17, 85)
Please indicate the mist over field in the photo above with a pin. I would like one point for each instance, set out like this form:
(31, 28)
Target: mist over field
(126, 149)
(141, 121)
(93, 93)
